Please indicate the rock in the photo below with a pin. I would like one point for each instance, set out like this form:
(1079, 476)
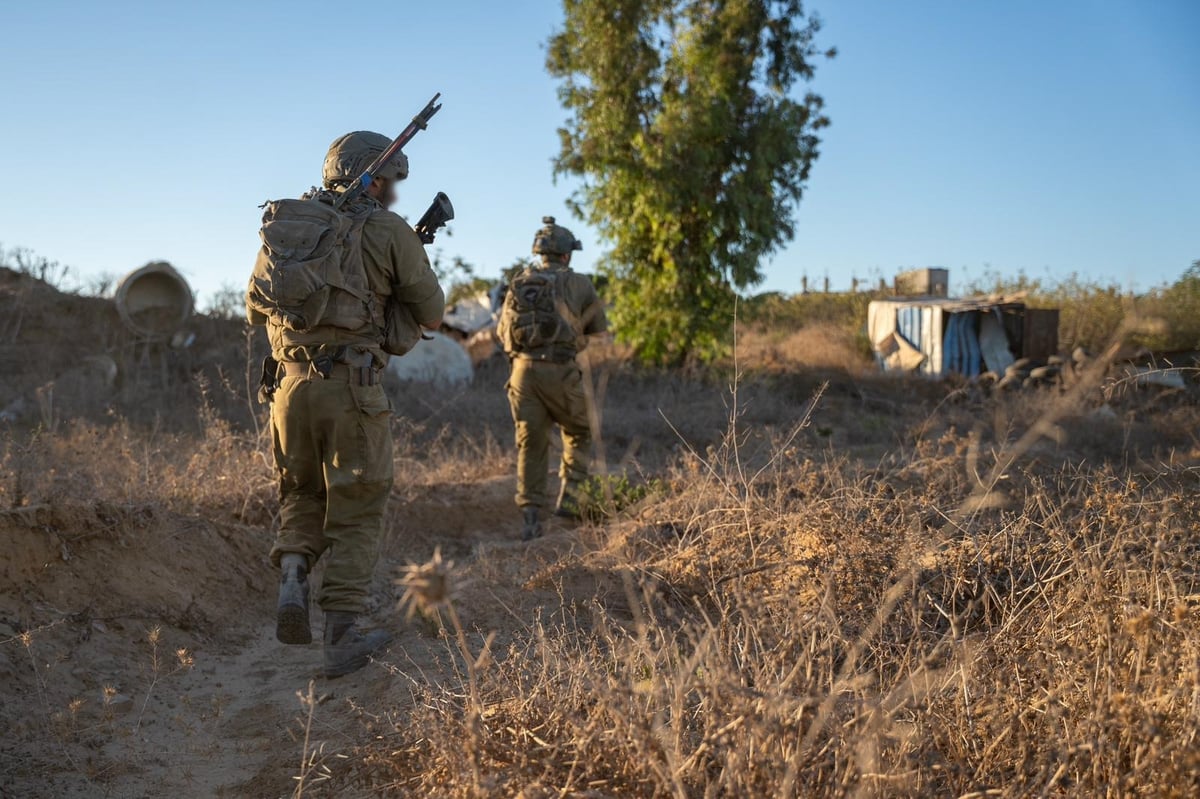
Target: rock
(1044, 373)
(1009, 382)
(16, 409)
(1149, 376)
(117, 704)
(439, 360)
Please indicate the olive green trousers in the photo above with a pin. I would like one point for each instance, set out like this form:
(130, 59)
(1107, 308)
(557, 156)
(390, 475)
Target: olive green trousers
(333, 453)
(541, 394)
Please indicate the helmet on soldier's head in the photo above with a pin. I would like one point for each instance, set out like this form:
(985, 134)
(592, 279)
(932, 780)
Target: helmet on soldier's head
(554, 239)
(350, 155)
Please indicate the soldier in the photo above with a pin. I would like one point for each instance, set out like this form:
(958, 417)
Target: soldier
(330, 416)
(546, 316)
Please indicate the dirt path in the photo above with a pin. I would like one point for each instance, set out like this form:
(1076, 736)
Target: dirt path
(231, 722)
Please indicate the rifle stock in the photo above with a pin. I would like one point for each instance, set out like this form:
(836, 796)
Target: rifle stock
(436, 216)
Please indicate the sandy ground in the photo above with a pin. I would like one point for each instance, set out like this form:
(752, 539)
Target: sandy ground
(98, 705)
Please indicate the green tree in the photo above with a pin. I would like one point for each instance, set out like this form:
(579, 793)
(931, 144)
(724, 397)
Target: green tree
(692, 149)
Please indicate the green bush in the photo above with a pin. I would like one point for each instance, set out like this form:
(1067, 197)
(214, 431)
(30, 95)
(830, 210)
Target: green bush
(604, 496)
(1091, 313)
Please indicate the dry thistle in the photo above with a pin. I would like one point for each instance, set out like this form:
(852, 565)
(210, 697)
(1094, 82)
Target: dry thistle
(428, 586)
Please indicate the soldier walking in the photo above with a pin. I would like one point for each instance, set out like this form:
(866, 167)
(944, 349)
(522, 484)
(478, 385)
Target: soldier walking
(330, 417)
(547, 314)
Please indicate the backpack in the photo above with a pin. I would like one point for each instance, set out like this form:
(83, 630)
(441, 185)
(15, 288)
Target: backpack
(309, 272)
(535, 318)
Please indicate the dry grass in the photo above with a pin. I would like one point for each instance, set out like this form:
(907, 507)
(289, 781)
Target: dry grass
(853, 587)
(820, 345)
(965, 617)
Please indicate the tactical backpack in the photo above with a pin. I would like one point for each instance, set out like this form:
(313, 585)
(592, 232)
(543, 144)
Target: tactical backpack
(309, 271)
(535, 320)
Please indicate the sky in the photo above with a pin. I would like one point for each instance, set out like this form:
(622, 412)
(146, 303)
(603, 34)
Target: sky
(988, 137)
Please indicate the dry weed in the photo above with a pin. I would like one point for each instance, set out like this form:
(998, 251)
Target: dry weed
(964, 617)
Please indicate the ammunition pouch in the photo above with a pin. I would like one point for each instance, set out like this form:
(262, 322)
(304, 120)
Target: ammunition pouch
(327, 367)
(268, 381)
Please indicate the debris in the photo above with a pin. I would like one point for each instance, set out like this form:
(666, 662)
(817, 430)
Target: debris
(961, 336)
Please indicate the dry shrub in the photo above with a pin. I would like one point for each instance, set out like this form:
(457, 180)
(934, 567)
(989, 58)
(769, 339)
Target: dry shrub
(221, 473)
(956, 620)
(819, 345)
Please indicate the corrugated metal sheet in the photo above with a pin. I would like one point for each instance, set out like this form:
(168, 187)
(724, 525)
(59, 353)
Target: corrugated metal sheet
(908, 324)
(931, 339)
(962, 353)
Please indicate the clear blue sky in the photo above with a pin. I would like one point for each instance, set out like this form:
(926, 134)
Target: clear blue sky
(1013, 135)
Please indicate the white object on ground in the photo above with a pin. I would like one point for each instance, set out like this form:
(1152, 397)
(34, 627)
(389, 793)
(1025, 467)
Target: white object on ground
(470, 315)
(440, 360)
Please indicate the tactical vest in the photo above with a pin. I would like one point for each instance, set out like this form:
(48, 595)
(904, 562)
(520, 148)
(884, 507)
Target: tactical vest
(536, 319)
(309, 273)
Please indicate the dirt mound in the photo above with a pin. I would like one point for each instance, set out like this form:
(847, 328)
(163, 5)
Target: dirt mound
(138, 652)
(133, 558)
(64, 355)
(44, 332)
(96, 601)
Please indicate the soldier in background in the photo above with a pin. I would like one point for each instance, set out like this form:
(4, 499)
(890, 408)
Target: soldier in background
(547, 314)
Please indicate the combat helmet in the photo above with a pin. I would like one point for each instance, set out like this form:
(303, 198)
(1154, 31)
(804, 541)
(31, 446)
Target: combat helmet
(554, 240)
(350, 155)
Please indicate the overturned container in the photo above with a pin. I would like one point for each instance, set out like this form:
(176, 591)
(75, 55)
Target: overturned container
(154, 301)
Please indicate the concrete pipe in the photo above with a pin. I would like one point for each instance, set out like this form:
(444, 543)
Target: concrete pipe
(154, 301)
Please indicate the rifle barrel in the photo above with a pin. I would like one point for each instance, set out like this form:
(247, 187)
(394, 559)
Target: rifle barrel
(418, 124)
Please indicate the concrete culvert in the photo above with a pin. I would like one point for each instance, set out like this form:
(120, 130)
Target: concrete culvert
(154, 301)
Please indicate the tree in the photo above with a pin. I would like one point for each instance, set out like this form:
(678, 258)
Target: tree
(692, 150)
(227, 302)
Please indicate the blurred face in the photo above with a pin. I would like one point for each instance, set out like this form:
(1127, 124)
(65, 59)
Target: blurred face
(383, 190)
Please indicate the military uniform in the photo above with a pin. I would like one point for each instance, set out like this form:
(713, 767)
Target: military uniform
(546, 383)
(332, 436)
(330, 419)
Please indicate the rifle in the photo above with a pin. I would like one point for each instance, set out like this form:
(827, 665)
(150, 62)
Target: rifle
(418, 124)
(439, 213)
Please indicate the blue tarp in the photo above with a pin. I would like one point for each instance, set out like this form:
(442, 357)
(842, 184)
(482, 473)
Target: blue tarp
(960, 347)
(908, 324)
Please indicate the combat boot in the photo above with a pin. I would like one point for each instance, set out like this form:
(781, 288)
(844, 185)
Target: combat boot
(532, 528)
(568, 502)
(291, 613)
(347, 648)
